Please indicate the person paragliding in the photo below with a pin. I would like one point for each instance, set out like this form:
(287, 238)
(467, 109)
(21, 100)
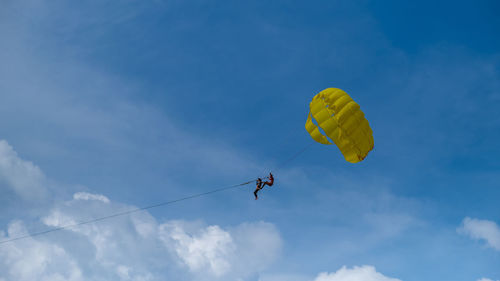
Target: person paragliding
(335, 118)
(270, 182)
(260, 184)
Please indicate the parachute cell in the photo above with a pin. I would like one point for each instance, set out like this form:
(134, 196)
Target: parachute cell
(335, 118)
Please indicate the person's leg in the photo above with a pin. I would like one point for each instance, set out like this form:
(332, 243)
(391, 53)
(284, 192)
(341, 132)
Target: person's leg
(267, 183)
(255, 193)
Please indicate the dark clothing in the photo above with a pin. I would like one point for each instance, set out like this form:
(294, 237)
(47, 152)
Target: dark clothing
(260, 185)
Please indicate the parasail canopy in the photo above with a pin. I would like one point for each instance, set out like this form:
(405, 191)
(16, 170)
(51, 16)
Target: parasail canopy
(335, 118)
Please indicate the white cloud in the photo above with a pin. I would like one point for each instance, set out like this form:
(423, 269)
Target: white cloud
(90, 196)
(486, 279)
(206, 251)
(482, 230)
(29, 259)
(120, 247)
(357, 273)
(23, 177)
(135, 247)
(237, 252)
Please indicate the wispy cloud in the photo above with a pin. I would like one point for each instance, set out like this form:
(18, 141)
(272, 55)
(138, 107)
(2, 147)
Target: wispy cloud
(23, 177)
(90, 196)
(485, 230)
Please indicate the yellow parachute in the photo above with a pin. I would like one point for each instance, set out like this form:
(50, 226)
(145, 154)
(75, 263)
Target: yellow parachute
(342, 121)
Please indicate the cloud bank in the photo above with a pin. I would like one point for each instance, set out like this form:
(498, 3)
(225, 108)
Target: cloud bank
(135, 247)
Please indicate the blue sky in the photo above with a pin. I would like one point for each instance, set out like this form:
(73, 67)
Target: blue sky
(110, 105)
